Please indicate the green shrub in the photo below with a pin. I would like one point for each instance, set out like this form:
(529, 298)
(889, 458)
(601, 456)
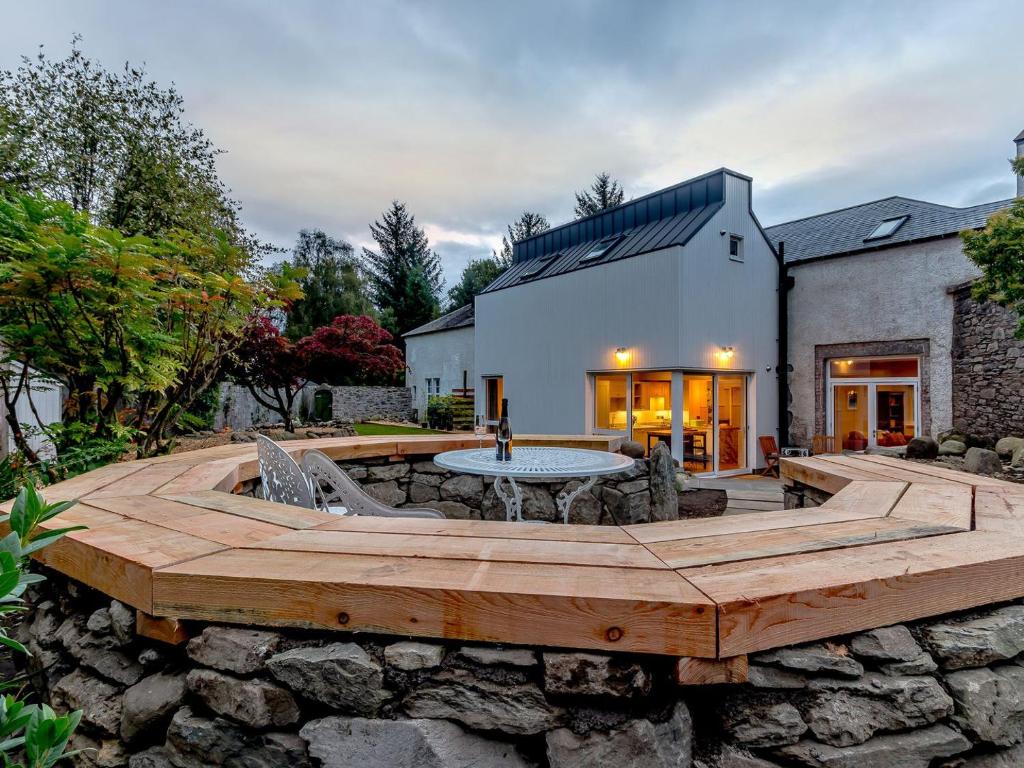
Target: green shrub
(441, 412)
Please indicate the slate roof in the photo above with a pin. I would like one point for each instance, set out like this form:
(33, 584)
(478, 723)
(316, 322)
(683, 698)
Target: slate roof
(463, 317)
(661, 219)
(843, 232)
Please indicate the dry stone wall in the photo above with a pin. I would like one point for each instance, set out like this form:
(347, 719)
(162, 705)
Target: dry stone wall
(239, 410)
(943, 692)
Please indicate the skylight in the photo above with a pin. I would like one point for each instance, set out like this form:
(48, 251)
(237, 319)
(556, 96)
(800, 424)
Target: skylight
(600, 248)
(538, 266)
(887, 228)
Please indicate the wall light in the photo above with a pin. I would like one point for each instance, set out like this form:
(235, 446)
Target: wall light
(622, 355)
(726, 353)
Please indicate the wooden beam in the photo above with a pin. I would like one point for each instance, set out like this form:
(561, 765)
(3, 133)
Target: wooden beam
(170, 631)
(693, 671)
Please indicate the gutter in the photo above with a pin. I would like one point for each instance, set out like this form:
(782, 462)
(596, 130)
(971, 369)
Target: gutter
(786, 282)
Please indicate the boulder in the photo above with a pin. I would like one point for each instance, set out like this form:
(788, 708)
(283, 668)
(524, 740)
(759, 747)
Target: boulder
(916, 749)
(342, 742)
(233, 649)
(762, 723)
(886, 644)
(848, 712)
(586, 508)
(638, 744)
(982, 461)
(1017, 460)
(664, 499)
(388, 471)
(99, 621)
(420, 492)
(484, 705)
(122, 621)
(952, 448)
(816, 659)
(99, 701)
(149, 704)
(592, 674)
(990, 703)
(410, 655)
(538, 504)
(489, 656)
(923, 447)
(99, 652)
(995, 636)
(386, 492)
(1005, 446)
(341, 675)
(255, 703)
(207, 741)
(633, 449)
(469, 489)
(629, 509)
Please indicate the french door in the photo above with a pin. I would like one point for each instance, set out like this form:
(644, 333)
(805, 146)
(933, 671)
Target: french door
(868, 414)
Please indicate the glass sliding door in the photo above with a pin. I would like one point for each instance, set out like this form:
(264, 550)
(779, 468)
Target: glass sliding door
(652, 408)
(611, 404)
(698, 422)
(732, 423)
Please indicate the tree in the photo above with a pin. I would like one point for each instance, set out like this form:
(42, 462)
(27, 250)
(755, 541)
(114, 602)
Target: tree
(351, 350)
(269, 366)
(332, 284)
(604, 193)
(476, 276)
(998, 251)
(527, 225)
(114, 145)
(404, 275)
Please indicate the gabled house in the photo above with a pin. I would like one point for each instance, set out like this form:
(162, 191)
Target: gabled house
(656, 320)
(439, 358)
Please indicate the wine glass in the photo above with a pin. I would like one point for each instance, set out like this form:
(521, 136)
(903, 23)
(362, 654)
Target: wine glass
(480, 429)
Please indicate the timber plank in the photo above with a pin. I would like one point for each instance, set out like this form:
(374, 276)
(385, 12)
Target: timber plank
(997, 508)
(689, 553)
(170, 631)
(861, 494)
(626, 609)
(785, 600)
(598, 534)
(950, 504)
(90, 482)
(872, 471)
(284, 515)
(815, 472)
(465, 548)
(690, 671)
(934, 470)
(143, 482)
(221, 475)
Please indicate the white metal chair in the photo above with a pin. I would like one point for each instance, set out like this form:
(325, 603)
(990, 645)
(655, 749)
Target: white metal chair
(332, 486)
(283, 479)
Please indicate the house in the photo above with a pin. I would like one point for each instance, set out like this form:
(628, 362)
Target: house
(439, 358)
(656, 320)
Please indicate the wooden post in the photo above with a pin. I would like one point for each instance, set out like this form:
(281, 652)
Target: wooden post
(165, 630)
(693, 671)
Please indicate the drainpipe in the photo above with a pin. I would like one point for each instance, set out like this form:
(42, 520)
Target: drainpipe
(785, 285)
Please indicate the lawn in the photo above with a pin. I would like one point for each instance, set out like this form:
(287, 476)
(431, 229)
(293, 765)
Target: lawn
(393, 429)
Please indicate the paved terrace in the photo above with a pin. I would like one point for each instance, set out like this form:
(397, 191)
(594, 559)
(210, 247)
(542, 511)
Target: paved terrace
(896, 542)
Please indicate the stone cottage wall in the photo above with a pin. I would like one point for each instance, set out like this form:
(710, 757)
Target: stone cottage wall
(239, 410)
(941, 692)
(988, 368)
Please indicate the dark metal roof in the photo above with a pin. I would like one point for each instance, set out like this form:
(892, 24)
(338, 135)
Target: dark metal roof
(843, 232)
(463, 317)
(668, 217)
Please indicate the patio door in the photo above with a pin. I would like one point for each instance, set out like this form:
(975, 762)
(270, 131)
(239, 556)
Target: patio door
(873, 402)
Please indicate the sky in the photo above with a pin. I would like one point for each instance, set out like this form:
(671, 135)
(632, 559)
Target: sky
(472, 112)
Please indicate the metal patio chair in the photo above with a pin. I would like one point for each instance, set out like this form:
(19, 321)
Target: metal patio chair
(283, 480)
(333, 488)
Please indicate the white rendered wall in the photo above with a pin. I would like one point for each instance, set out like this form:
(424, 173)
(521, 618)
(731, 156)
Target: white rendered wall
(444, 355)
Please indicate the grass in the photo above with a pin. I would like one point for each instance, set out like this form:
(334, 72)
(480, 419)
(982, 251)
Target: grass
(392, 429)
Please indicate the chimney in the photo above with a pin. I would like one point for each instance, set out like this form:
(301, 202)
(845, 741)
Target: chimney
(1019, 141)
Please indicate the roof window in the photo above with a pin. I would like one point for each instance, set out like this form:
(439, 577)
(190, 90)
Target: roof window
(600, 248)
(887, 228)
(538, 266)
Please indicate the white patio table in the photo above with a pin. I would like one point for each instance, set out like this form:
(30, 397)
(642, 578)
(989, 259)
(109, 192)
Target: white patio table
(535, 463)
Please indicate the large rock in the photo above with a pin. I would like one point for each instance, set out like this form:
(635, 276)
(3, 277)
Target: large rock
(916, 749)
(149, 704)
(990, 703)
(1017, 460)
(122, 621)
(816, 659)
(469, 489)
(995, 636)
(343, 742)
(420, 492)
(1007, 445)
(586, 508)
(101, 653)
(386, 492)
(664, 499)
(592, 674)
(754, 723)
(207, 741)
(952, 448)
(922, 448)
(341, 675)
(99, 701)
(982, 461)
(538, 504)
(847, 712)
(886, 644)
(255, 703)
(409, 655)
(93, 753)
(633, 449)
(486, 655)
(233, 649)
(637, 744)
(482, 704)
(388, 471)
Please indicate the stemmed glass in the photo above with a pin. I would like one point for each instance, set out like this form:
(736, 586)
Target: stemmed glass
(480, 429)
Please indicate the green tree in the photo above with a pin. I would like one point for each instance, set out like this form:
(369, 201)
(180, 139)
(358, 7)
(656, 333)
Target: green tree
(604, 193)
(476, 276)
(527, 225)
(112, 144)
(998, 251)
(332, 284)
(404, 275)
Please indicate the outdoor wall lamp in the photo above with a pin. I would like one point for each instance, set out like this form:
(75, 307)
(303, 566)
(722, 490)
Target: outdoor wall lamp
(726, 353)
(622, 355)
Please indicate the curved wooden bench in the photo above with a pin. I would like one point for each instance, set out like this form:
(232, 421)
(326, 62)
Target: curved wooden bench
(897, 541)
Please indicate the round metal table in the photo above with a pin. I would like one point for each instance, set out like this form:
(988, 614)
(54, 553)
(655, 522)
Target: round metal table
(535, 463)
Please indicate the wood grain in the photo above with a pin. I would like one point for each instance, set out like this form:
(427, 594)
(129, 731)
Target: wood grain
(949, 504)
(170, 631)
(691, 671)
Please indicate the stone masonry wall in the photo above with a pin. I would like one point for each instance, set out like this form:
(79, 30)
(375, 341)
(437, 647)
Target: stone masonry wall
(988, 368)
(938, 693)
(239, 410)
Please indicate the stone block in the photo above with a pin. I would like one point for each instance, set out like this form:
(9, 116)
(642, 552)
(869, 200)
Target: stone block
(254, 703)
(409, 655)
(341, 675)
(990, 703)
(233, 649)
(638, 744)
(994, 636)
(592, 674)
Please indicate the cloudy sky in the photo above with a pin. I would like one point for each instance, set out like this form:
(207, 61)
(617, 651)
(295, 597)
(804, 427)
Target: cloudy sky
(471, 112)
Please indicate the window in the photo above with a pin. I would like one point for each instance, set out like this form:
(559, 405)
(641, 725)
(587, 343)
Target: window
(600, 249)
(433, 387)
(736, 247)
(610, 402)
(887, 228)
(538, 266)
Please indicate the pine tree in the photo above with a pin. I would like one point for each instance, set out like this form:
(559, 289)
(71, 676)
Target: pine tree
(604, 193)
(527, 225)
(476, 276)
(404, 275)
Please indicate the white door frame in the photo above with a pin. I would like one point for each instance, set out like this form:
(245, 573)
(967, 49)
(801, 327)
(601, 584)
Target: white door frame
(872, 385)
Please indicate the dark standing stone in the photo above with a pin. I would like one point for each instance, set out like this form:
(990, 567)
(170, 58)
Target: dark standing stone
(923, 447)
(664, 499)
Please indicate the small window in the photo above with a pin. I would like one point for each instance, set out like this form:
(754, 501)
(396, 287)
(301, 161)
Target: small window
(433, 387)
(600, 249)
(538, 266)
(887, 228)
(736, 247)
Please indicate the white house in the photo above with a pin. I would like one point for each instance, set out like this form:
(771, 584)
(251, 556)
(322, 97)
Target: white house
(439, 358)
(655, 320)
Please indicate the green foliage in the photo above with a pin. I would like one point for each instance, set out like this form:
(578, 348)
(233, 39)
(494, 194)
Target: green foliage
(404, 275)
(332, 284)
(32, 730)
(476, 276)
(998, 251)
(527, 225)
(441, 412)
(604, 193)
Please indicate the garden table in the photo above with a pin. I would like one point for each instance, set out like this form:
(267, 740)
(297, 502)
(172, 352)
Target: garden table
(535, 463)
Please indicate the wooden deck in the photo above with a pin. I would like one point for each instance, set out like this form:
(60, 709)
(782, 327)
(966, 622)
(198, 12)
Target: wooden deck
(897, 541)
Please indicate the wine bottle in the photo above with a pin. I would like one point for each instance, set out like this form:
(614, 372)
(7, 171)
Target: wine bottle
(504, 434)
